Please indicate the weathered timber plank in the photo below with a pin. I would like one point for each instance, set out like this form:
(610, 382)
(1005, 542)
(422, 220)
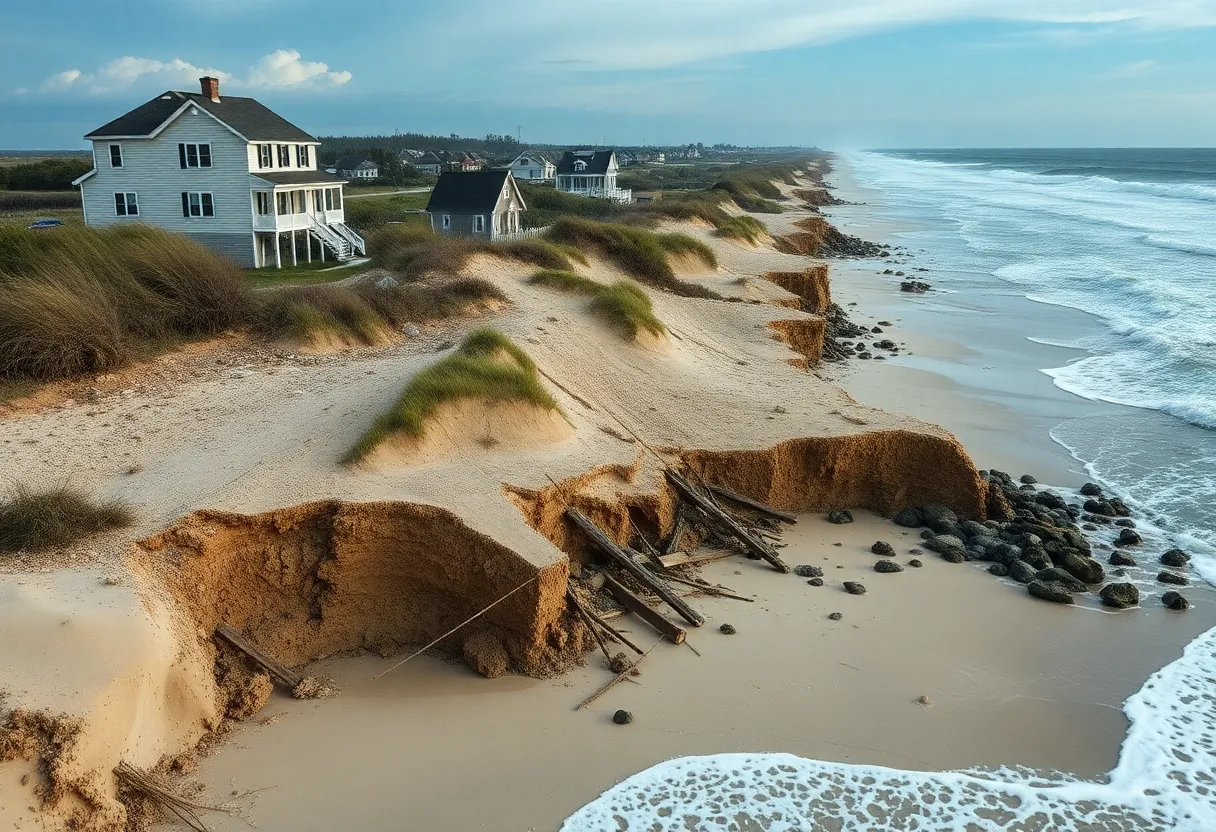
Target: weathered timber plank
(672, 632)
(763, 508)
(272, 667)
(726, 522)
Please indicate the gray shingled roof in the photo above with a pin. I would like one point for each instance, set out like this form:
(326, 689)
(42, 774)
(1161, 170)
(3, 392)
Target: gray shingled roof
(474, 192)
(353, 163)
(300, 177)
(597, 161)
(253, 120)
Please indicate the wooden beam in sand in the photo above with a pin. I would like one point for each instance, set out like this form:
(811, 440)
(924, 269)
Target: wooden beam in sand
(631, 565)
(756, 505)
(728, 524)
(691, 558)
(636, 605)
(276, 670)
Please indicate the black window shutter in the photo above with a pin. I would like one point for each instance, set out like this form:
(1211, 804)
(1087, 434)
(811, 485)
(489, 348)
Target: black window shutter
(204, 155)
(185, 204)
(181, 155)
(120, 204)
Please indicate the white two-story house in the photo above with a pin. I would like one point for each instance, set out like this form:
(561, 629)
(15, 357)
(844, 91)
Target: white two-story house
(591, 173)
(533, 166)
(227, 172)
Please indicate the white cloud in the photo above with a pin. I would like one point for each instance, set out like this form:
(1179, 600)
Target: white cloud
(282, 69)
(650, 35)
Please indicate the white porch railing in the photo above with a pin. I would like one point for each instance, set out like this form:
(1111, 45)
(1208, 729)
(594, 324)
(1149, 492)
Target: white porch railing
(357, 243)
(327, 236)
(522, 234)
(622, 195)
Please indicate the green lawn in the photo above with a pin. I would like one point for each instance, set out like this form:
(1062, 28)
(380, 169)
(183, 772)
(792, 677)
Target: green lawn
(302, 275)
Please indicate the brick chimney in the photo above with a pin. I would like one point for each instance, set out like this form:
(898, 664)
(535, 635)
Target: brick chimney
(211, 88)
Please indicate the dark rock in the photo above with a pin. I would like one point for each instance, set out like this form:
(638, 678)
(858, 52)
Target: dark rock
(1175, 601)
(840, 517)
(805, 570)
(885, 323)
(916, 550)
(942, 542)
(1082, 568)
(728, 629)
(915, 564)
(886, 344)
(887, 567)
(1126, 522)
(1056, 575)
(1004, 553)
(1050, 592)
(1128, 537)
(999, 569)
(1123, 559)
(1167, 577)
(925, 534)
(1091, 489)
(854, 588)
(1176, 558)
(865, 355)
(836, 616)
(882, 548)
(1090, 527)
(936, 512)
(1027, 479)
(1120, 596)
(815, 582)
(875, 329)
(1022, 572)
(1121, 509)
(1100, 507)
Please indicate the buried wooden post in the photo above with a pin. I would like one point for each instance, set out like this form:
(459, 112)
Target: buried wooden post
(642, 610)
(728, 524)
(276, 670)
(756, 505)
(652, 581)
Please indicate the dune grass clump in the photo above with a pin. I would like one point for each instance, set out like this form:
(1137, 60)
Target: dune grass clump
(486, 366)
(35, 519)
(84, 300)
(746, 193)
(636, 251)
(365, 312)
(623, 304)
(681, 245)
(416, 253)
(745, 228)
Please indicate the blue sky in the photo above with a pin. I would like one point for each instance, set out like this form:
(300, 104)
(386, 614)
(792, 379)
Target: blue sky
(836, 73)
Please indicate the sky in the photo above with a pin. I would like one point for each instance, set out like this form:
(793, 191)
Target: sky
(839, 74)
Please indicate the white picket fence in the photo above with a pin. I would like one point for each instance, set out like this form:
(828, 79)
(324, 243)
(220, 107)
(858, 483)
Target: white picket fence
(522, 234)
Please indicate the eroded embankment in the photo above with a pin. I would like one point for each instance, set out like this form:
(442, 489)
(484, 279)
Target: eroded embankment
(804, 336)
(881, 471)
(811, 284)
(310, 581)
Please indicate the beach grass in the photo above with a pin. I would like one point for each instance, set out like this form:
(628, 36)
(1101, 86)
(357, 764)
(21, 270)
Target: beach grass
(624, 305)
(487, 365)
(745, 228)
(415, 253)
(33, 519)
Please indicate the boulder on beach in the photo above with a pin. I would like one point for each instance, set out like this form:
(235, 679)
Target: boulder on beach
(1120, 596)
(915, 564)
(942, 543)
(854, 588)
(840, 517)
(1175, 601)
(815, 582)
(887, 567)
(835, 616)
(1091, 489)
(1037, 557)
(1021, 571)
(1128, 537)
(882, 548)
(1050, 592)
(1118, 558)
(1167, 577)
(806, 570)
(999, 569)
(1056, 575)
(938, 513)
(909, 518)
(1027, 479)
(1175, 558)
(1082, 568)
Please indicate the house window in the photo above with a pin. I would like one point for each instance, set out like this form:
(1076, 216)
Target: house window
(300, 201)
(337, 199)
(479, 223)
(115, 155)
(195, 204)
(194, 155)
(126, 205)
(302, 156)
(282, 205)
(264, 159)
(284, 156)
(318, 200)
(447, 222)
(506, 191)
(329, 199)
(263, 203)
(580, 165)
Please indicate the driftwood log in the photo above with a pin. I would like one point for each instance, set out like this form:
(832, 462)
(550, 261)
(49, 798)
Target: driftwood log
(756, 505)
(633, 567)
(726, 523)
(276, 670)
(642, 610)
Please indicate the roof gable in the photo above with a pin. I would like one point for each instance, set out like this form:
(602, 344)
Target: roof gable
(355, 163)
(248, 118)
(475, 192)
(597, 161)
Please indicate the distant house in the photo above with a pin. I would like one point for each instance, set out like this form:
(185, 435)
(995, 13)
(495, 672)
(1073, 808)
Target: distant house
(591, 173)
(357, 167)
(531, 165)
(624, 159)
(426, 162)
(463, 161)
(228, 172)
(484, 203)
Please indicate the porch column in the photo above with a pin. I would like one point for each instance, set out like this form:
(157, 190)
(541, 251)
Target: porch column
(294, 260)
(278, 254)
(308, 251)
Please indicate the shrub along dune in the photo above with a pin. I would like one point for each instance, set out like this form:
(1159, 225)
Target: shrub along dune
(623, 305)
(415, 253)
(35, 519)
(486, 366)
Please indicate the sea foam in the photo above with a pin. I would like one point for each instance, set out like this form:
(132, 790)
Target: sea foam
(1165, 780)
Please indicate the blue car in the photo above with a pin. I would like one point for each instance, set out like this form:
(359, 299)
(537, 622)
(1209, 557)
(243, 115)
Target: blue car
(46, 222)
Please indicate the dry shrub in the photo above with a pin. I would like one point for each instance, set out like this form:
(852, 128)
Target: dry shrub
(33, 519)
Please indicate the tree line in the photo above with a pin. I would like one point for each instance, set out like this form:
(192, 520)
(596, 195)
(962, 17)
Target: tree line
(44, 175)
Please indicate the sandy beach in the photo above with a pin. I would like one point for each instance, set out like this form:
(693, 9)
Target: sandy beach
(941, 667)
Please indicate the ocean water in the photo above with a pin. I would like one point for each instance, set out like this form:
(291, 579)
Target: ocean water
(1128, 236)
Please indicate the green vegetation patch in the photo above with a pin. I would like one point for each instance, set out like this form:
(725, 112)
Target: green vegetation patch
(35, 519)
(748, 229)
(487, 365)
(415, 253)
(623, 305)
